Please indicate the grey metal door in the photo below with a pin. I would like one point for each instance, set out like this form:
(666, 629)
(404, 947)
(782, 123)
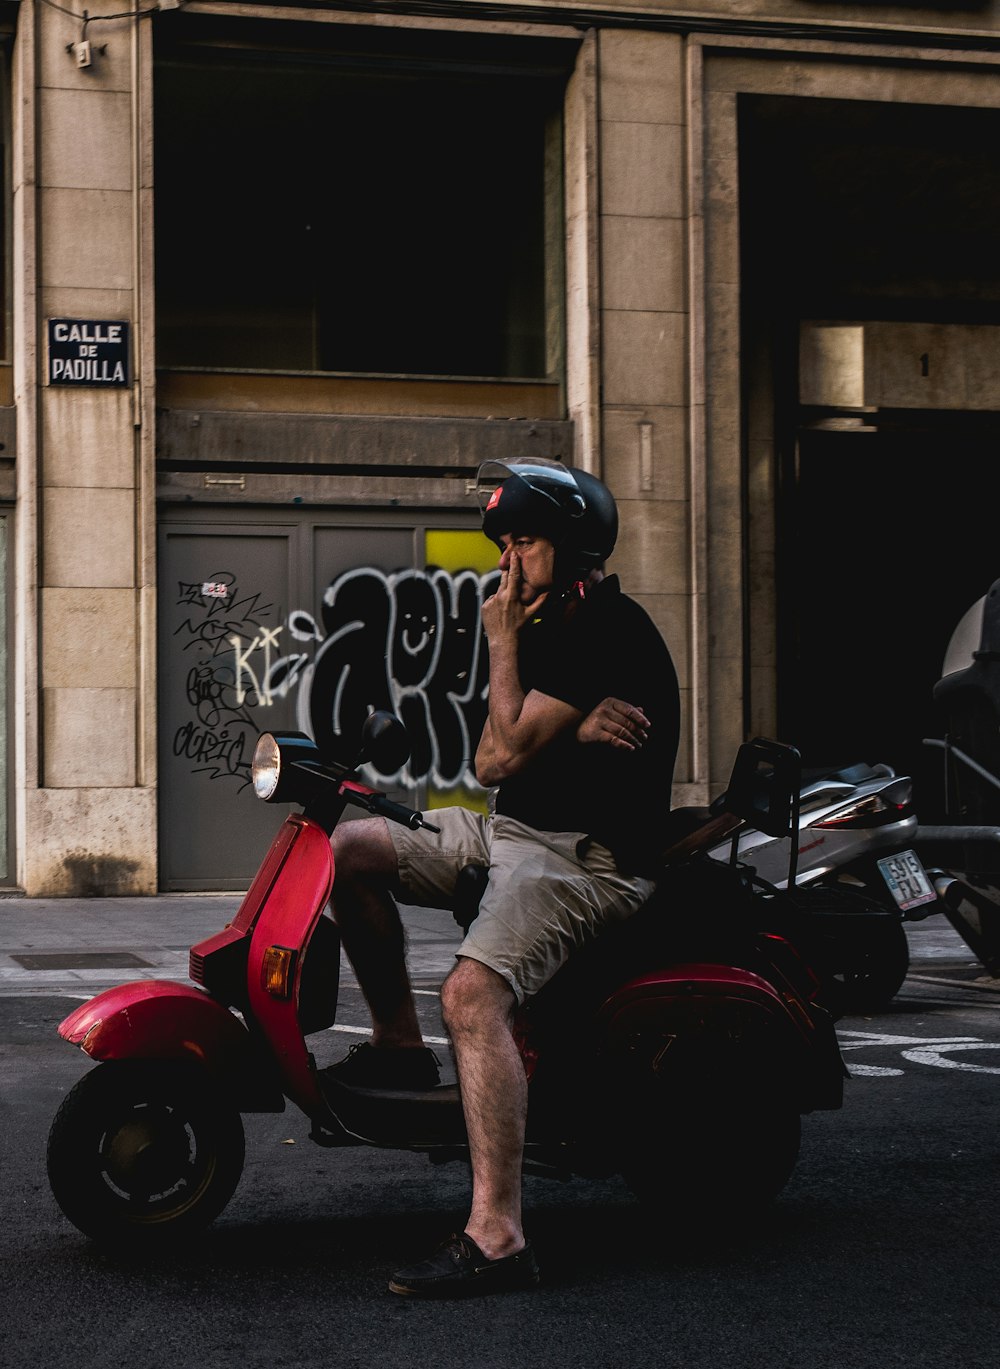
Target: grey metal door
(300, 621)
(223, 589)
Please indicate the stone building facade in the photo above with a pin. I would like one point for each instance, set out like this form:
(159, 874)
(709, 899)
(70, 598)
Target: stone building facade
(736, 259)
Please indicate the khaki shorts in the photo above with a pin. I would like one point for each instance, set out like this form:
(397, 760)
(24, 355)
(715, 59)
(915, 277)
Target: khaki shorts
(548, 892)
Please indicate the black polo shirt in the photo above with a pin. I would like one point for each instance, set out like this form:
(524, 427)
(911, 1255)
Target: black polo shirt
(604, 645)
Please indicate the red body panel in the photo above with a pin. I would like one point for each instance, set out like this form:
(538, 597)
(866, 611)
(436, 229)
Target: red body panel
(694, 989)
(217, 941)
(160, 1019)
(156, 1019)
(286, 837)
(296, 893)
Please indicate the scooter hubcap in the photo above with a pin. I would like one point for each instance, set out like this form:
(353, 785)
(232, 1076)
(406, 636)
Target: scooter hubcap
(148, 1155)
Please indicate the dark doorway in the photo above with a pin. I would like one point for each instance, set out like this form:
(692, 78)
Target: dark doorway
(891, 537)
(861, 212)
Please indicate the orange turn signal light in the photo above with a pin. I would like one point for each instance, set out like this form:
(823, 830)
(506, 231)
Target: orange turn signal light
(277, 971)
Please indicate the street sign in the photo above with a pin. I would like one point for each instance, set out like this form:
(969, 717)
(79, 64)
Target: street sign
(88, 352)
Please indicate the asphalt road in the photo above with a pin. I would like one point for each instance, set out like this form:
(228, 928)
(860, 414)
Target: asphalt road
(882, 1250)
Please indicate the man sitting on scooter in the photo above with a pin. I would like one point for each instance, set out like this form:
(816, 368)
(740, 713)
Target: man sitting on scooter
(580, 781)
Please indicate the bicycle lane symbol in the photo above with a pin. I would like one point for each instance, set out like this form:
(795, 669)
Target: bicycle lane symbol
(919, 1050)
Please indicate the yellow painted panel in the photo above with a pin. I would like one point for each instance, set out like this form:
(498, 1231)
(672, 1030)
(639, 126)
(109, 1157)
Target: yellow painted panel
(454, 550)
(462, 797)
(457, 549)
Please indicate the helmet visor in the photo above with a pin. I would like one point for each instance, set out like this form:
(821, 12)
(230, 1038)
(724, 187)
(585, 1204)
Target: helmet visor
(548, 478)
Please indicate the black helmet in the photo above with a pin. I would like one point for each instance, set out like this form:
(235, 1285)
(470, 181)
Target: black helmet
(571, 507)
(597, 536)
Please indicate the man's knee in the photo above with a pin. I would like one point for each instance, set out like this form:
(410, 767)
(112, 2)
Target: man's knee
(474, 994)
(363, 852)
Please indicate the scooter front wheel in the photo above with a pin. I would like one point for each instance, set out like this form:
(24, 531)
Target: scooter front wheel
(141, 1152)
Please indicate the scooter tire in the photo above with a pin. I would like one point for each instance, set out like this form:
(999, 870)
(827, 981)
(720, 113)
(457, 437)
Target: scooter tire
(141, 1153)
(733, 1161)
(878, 963)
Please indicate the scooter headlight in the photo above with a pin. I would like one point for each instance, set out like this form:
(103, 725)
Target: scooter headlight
(277, 778)
(266, 767)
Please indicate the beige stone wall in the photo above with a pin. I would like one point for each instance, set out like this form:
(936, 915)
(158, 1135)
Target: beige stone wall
(655, 382)
(86, 818)
(645, 322)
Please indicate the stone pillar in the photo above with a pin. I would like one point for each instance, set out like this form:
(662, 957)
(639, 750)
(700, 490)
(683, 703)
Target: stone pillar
(86, 810)
(583, 303)
(645, 338)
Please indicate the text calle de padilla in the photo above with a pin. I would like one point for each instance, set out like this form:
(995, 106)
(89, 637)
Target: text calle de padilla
(88, 352)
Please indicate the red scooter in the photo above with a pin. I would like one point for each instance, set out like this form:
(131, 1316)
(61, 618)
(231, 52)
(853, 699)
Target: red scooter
(679, 1050)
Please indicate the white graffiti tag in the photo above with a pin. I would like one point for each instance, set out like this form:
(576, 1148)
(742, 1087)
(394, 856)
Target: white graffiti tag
(410, 641)
(264, 640)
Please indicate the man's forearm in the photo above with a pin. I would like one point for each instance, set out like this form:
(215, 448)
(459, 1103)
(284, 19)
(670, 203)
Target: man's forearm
(499, 753)
(519, 725)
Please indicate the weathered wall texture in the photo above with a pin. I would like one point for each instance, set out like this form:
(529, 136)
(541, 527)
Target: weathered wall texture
(659, 395)
(645, 326)
(88, 821)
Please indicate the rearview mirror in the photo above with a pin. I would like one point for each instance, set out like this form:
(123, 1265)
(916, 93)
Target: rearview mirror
(384, 742)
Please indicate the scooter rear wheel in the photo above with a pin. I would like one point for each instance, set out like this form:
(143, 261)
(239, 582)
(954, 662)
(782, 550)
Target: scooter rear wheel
(707, 1153)
(874, 962)
(141, 1152)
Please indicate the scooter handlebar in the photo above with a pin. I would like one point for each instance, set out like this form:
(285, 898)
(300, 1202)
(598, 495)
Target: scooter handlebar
(397, 812)
(374, 802)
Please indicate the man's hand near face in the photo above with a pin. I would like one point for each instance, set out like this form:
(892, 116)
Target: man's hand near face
(518, 725)
(504, 613)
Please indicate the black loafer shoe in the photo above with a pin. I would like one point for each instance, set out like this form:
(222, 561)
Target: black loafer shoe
(459, 1269)
(386, 1067)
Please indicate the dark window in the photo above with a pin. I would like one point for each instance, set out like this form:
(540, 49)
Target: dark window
(331, 212)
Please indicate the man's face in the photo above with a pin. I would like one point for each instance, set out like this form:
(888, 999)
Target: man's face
(537, 557)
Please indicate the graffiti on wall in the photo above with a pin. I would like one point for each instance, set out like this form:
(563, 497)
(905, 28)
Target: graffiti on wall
(409, 641)
(219, 733)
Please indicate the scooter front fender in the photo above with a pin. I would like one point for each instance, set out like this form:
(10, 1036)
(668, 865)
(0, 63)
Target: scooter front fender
(159, 1019)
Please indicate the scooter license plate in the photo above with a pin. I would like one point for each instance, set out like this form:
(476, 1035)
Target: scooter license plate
(907, 880)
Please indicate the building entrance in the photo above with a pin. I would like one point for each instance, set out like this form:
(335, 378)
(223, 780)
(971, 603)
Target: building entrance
(891, 537)
(870, 491)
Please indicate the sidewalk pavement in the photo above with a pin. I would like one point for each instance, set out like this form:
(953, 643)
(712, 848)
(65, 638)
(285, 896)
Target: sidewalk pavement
(77, 946)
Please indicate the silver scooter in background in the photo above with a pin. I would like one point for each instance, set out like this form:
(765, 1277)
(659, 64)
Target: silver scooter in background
(963, 852)
(856, 877)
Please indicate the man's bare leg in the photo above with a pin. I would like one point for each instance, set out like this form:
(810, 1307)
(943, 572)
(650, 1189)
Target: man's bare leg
(478, 1011)
(371, 929)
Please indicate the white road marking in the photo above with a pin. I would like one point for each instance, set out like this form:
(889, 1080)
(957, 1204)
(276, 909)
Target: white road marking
(919, 1050)
(932, 1055)
(887, 1039)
